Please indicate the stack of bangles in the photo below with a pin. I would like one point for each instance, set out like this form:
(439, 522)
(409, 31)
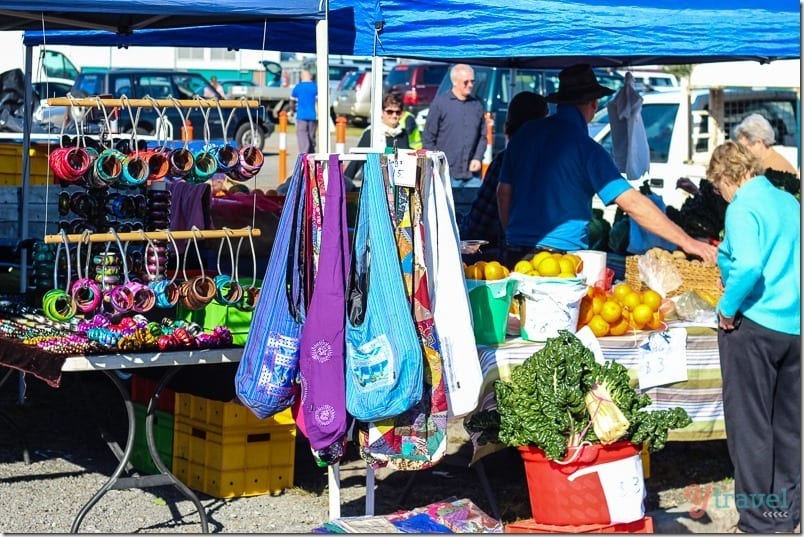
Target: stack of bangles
(166, 292)
(69, 163)
(156, 261)
(197, 292)
(228, 157)
(58, 305)
(250, 296)
(107, 270)
(158, 210)
(228, 290)
(108, 167)
(86, 295)
(249, 165)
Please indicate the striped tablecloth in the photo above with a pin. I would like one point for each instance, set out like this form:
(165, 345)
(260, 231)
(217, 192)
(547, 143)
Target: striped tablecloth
(700, 395)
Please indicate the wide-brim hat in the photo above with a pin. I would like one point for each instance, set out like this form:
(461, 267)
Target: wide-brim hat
(578, 84)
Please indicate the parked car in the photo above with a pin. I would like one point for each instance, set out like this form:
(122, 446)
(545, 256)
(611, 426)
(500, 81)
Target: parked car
(495, 89)
(352, 98)
(234, 88)
(416, 82)
(44, 90)
(163, 84)
(653, 80)
(681, 143)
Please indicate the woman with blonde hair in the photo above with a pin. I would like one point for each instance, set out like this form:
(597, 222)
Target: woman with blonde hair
(759, 339)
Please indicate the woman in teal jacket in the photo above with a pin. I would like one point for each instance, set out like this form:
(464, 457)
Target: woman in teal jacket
(759, 340)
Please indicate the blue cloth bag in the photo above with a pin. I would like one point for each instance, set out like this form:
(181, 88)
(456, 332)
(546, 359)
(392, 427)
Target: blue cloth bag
(267, 376)
(384, 360)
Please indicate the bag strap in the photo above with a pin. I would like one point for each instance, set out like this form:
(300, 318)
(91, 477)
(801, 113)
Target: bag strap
(358, 286)
(294, 264)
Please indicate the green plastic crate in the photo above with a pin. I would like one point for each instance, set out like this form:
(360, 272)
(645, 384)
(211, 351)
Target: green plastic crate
(163, 435)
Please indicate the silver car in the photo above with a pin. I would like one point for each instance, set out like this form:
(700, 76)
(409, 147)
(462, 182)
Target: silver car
(352, 97)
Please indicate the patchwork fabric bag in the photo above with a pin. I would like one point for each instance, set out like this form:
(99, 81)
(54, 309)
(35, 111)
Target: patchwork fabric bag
(384, 363)
(267, 376)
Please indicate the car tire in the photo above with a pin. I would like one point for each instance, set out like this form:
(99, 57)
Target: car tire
(243, 136)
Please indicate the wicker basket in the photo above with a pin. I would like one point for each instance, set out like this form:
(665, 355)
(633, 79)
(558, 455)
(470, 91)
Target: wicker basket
(694, 275)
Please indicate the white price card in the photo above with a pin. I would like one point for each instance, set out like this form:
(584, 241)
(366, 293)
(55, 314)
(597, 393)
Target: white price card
(663, 358)
(404, 169)
(590, 341)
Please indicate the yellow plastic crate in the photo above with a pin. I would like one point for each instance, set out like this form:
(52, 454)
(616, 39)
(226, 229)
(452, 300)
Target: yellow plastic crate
(223, 450)
(11, 165)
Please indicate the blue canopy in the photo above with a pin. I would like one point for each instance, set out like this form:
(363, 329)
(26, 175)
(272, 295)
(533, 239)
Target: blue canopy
(557, 33)
(126, 16)
(286, 35)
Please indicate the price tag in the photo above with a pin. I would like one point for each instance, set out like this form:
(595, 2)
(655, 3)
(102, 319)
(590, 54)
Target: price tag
(404, 169)
(663, 358)
(590, 341)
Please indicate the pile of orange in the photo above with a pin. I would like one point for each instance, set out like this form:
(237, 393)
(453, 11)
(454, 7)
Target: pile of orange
(485, 270)
(550, 265)
(621, 311)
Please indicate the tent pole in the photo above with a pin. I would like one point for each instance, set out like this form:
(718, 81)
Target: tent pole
(322, 79)
(26, 168)
(377, 135)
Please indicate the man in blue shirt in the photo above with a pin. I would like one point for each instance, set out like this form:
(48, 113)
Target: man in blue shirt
(305, 94)
(552, 170)
(456, 125)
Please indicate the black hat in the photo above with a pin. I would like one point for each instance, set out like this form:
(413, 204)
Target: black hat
(578, 84)
(523, 107)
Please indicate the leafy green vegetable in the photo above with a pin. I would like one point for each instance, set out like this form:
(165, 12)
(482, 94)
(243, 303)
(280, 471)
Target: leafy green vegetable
(543, 403)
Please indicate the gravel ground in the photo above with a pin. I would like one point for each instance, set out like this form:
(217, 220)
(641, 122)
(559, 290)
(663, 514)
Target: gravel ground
(70, 462)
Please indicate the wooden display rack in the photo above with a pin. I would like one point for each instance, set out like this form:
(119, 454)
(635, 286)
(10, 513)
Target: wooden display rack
(156, 235)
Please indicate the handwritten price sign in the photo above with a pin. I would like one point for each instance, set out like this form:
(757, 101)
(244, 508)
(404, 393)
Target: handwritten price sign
(663, 358)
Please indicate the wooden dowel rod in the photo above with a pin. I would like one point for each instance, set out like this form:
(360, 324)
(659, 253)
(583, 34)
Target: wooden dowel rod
(135, 236)
(148, 103)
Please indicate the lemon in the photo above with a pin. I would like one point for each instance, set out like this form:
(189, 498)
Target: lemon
(599, 326)
(621, 290)
(652, 299)
(523, 266)
(549, 266)
(567, 265)
(536, 259)
(632, 300)
(611, 311)
(494, 271)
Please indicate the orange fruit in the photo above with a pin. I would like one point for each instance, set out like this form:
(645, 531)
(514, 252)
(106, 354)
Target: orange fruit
(642, 314)
(494, 271)
(599, 326)
(611, 311)
(652, 299)
(632, 300)
(549, 267)
(473, 272)
(597, 304)
(656, 322)
(619, 328)
(523, 266)
(585, 312)
(621, 290)
(481, 265)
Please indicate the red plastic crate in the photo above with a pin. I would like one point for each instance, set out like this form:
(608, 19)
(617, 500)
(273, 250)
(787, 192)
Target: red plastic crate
(142, 388)
(644, 525)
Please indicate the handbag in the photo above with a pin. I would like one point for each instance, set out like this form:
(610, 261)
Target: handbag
(322, 345)
(450, 299)
(267, 376)
(384, 362)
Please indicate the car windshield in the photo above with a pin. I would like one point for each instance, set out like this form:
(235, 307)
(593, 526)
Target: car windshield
(350, 80)
(399, 75)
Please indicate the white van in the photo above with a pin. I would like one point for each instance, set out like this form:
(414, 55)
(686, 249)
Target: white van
(681, 142)
(653, 80)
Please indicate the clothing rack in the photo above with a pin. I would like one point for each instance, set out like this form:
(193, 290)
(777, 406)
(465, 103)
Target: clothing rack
(156, 235)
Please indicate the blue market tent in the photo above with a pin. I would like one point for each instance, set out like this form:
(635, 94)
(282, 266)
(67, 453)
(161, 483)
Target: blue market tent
(126, 16)
(557, 33)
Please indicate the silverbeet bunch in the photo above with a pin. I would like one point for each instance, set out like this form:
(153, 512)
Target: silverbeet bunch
(560, 397)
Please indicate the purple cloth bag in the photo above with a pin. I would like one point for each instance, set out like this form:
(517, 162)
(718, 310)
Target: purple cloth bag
(322, 345)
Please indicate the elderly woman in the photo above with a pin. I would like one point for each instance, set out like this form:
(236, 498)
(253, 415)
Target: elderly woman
(756, 133)
(759, 339)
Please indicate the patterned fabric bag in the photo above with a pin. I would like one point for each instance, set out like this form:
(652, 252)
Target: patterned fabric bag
(383, 354)
(267, 376)
(322, 346)
(416, 439)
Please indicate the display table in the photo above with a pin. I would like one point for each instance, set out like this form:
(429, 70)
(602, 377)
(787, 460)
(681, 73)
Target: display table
(49, 368)
(701, 395)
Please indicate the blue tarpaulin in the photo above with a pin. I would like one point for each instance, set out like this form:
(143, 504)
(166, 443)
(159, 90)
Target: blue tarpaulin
(557, 33)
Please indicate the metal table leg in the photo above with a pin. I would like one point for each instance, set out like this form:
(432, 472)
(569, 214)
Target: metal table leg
(163, 478)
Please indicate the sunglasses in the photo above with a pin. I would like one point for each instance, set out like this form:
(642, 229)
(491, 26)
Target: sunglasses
(392, 112)
(468, 82)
